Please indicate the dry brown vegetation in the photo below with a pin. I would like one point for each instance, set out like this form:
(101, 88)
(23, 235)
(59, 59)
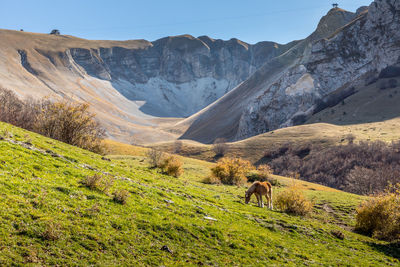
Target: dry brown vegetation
(379, 216)
(293, 201)
(363, 168)
(220, 147)
(71, 123)
(155, 157)
(172, 166)
(66, 121)
(231, 171)
(52, 231)
(121, 196)
(99, 182)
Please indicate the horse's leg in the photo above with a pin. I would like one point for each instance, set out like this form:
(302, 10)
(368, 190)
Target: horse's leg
(270, 198)
(261, 201)
(258, 199)
(267, 199)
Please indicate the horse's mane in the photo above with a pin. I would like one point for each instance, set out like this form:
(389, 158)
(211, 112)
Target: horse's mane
(252, 187)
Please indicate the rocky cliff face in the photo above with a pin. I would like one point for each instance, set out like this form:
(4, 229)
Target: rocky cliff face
(279, 90)
(360, 49)
(177, 76)
(130, 83)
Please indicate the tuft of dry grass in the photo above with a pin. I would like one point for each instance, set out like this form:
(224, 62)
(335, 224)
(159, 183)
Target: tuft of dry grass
(121, 196)
(52, 231)
(99, 182)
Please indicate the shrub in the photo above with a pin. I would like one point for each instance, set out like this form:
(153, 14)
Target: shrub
(264, 172)
(121, 196)
(71, 123)
(292, 201)
(155, 157)
(172, 166)
(178, 145)
(380, 215)
(350, 138)
(220, 147)
(98, 182)
(66, 121)
(17, 112)
(231, 171)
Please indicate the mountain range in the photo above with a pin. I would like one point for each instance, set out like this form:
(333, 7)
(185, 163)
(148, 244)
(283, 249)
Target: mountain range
(202, 88)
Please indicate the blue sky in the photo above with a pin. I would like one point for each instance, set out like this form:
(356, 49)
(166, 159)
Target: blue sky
(249, 20)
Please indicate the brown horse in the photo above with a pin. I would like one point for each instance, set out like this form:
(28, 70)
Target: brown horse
(260, 189)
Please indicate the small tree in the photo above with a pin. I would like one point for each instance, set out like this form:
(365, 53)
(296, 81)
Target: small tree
(55, 32)
(220, 147)
(264, 172)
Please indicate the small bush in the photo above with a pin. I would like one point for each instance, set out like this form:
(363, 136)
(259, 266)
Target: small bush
(380, 215)
(98, 182)
(155, 157)
(172, 166)
(71, 123)
(231, 171)
(178, 145)
(265, 172)
(121, 196)
(220, 147)
(292, 201)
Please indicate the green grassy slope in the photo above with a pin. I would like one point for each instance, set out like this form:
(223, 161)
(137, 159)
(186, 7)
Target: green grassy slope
(40, 192)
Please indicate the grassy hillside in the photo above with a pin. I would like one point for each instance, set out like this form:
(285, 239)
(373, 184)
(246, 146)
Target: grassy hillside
(49, 218)
(376, 102)
(323, 134)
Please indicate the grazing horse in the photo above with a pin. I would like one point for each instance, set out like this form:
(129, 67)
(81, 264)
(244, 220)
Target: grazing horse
(260, 189)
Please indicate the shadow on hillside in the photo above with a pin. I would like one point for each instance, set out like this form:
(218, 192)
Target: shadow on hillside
(391, 249)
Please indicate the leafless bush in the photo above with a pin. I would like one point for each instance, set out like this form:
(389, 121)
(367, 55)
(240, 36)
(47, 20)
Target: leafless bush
(17, 112)
(220, 147)
(178, 145)
(155, 157)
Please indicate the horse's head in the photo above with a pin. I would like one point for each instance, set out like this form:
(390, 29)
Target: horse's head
(247, 197)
